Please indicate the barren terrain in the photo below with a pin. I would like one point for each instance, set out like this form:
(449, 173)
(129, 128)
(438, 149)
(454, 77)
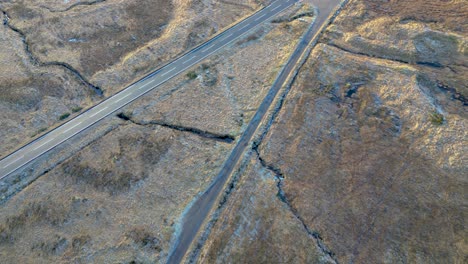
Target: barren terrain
(363, 162)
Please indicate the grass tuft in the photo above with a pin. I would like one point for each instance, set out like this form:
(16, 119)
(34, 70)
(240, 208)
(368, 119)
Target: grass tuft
(77, 109)
(64, 116)
(437, 119)
(192, 75)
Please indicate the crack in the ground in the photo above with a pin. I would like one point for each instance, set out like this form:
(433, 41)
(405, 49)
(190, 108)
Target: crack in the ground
(205, 134)
(73, 6)
(455, 94)
(35, 61)
(279, 176)
(436, 65)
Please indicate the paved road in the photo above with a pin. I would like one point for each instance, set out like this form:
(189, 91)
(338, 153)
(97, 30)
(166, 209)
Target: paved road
(197, 214)
(54, 138)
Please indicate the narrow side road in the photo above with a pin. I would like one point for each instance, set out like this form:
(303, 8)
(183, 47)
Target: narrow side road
(201, 208)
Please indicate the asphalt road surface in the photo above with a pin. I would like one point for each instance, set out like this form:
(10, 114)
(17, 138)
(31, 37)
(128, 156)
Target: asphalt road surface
(42, 145)
(197, 214)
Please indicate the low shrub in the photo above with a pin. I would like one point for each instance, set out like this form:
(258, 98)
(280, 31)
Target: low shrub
(192, 75)
(64, 116)
(77, 109)
(40, 131)
(437, 118)
(142, 237)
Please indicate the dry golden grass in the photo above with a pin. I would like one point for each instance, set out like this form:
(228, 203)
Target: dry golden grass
(45, 212)
(450, 13)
